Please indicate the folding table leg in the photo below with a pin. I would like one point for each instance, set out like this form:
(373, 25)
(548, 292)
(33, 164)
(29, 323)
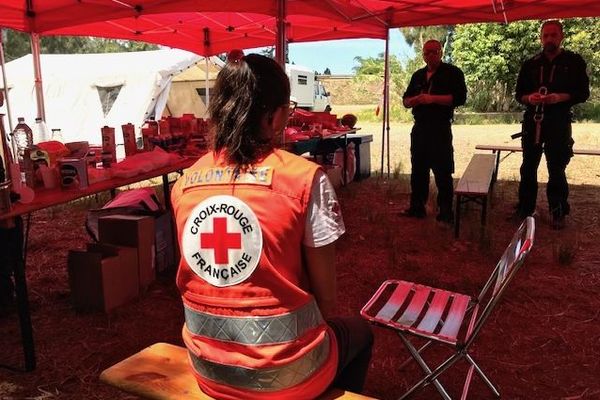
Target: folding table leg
(166, 191)
(484, 210)
(23, 301)
(457, 215)
(413, 351)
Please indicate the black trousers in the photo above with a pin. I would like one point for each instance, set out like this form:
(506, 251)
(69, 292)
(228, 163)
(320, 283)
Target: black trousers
(431, 149)
(355, 341)
(557, 145)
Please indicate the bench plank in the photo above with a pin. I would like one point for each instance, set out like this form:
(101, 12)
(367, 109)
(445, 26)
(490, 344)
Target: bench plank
(478, 176)
(162, 372)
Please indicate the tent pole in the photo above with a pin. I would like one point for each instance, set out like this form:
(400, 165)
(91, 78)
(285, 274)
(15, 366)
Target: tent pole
(281, 42)
(207, 83)
(387, 96)
(4, 83)
(37, 70)
(385, 102)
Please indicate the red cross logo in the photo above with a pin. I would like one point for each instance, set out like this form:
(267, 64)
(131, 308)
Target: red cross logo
(220, 240)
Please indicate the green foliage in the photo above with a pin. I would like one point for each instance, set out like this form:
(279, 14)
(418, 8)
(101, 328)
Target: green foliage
(582, 36)
(375, 65)
(17, 44)
(418, 35)
(491, 55)
(370, 71)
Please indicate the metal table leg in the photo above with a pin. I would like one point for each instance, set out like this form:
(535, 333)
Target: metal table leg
(457, 215)
(166, 192)
(23, 301)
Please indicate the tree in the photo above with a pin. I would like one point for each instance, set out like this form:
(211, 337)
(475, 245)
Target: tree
(17, 44)
(417, 36)
(327, 71)
(491, 55)
(268, 52)
(376, 65)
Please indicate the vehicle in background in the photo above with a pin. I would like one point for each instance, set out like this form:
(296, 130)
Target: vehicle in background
(306, 89)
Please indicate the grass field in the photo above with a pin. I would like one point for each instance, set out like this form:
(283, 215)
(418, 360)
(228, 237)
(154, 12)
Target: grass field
(581, 170)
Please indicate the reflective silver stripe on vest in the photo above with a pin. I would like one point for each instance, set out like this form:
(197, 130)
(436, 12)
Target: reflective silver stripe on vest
(254, 330)
(268, 379)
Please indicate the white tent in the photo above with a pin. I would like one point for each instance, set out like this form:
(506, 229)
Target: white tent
(84, 92)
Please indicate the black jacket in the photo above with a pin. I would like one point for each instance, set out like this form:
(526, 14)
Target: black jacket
(447, 79)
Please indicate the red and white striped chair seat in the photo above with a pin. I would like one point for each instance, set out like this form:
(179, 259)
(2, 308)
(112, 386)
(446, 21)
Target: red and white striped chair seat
(445, 317)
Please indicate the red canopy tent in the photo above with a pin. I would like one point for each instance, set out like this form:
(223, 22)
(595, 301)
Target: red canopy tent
(212, 27)
(330, 19)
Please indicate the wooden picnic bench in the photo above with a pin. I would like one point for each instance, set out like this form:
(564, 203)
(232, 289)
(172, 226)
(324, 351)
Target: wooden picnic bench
(475, 185)
(162, 372)
(497, 149)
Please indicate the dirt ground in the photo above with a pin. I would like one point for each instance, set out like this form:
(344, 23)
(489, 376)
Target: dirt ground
(542, 342)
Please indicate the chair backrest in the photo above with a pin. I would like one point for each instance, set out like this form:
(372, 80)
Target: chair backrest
(510, 262)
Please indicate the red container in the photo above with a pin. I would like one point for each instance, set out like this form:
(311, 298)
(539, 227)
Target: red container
(129, 139)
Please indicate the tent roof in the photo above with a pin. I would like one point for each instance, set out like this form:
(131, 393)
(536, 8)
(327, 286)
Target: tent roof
(245, 24)
(82, 66)
(141, 82)
(198, 72)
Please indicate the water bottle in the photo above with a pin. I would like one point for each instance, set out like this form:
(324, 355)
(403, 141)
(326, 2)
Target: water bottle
(40, 131)
(23, 137)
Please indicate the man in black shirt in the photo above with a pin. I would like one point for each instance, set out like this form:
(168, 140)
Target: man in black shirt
(433, 93)
(548, 85)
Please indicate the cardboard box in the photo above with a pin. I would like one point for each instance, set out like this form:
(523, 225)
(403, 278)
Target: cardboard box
(102, 277)
(166, 253)
(132, 231)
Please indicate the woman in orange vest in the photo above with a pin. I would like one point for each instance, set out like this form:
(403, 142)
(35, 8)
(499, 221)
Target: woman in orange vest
(256, 228)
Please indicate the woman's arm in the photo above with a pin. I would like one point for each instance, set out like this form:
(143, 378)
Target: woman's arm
(320, 265)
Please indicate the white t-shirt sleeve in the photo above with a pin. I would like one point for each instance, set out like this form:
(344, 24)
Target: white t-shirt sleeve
(324, 223)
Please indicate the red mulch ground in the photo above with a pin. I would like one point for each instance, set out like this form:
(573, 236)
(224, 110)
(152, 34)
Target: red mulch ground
(543, 341)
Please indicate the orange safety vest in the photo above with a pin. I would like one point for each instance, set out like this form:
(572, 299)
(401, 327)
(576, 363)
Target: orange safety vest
(253, 330)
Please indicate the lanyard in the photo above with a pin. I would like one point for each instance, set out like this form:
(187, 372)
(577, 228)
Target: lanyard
(538, 116)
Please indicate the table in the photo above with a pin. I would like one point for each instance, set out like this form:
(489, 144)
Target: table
(327, 144)
(497, 149)
(49, 198)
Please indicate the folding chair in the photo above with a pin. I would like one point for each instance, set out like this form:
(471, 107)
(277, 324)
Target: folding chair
(445, 317)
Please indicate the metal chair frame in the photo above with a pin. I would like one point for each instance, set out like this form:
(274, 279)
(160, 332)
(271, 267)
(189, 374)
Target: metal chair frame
(440, 316)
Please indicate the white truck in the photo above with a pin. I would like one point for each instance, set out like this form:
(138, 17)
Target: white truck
(306, 89)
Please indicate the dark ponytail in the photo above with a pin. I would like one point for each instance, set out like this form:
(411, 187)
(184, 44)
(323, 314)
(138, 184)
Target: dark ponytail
(245, 91)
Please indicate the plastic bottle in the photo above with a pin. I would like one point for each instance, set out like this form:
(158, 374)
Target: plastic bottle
(23, 137)
(40, 131)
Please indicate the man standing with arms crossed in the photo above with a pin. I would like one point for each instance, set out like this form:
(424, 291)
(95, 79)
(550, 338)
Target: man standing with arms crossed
(433, 93)
(549, 84)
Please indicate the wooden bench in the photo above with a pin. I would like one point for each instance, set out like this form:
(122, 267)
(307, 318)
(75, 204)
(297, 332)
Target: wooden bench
(497, 149)
(162, 372)
(475, 186)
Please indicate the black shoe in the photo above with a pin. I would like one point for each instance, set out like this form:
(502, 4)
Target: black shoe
(7, 306)
(447, 218)
(412, 213)
(520, 215)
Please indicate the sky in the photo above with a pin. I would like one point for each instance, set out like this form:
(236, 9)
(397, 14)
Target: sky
(338, 55)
